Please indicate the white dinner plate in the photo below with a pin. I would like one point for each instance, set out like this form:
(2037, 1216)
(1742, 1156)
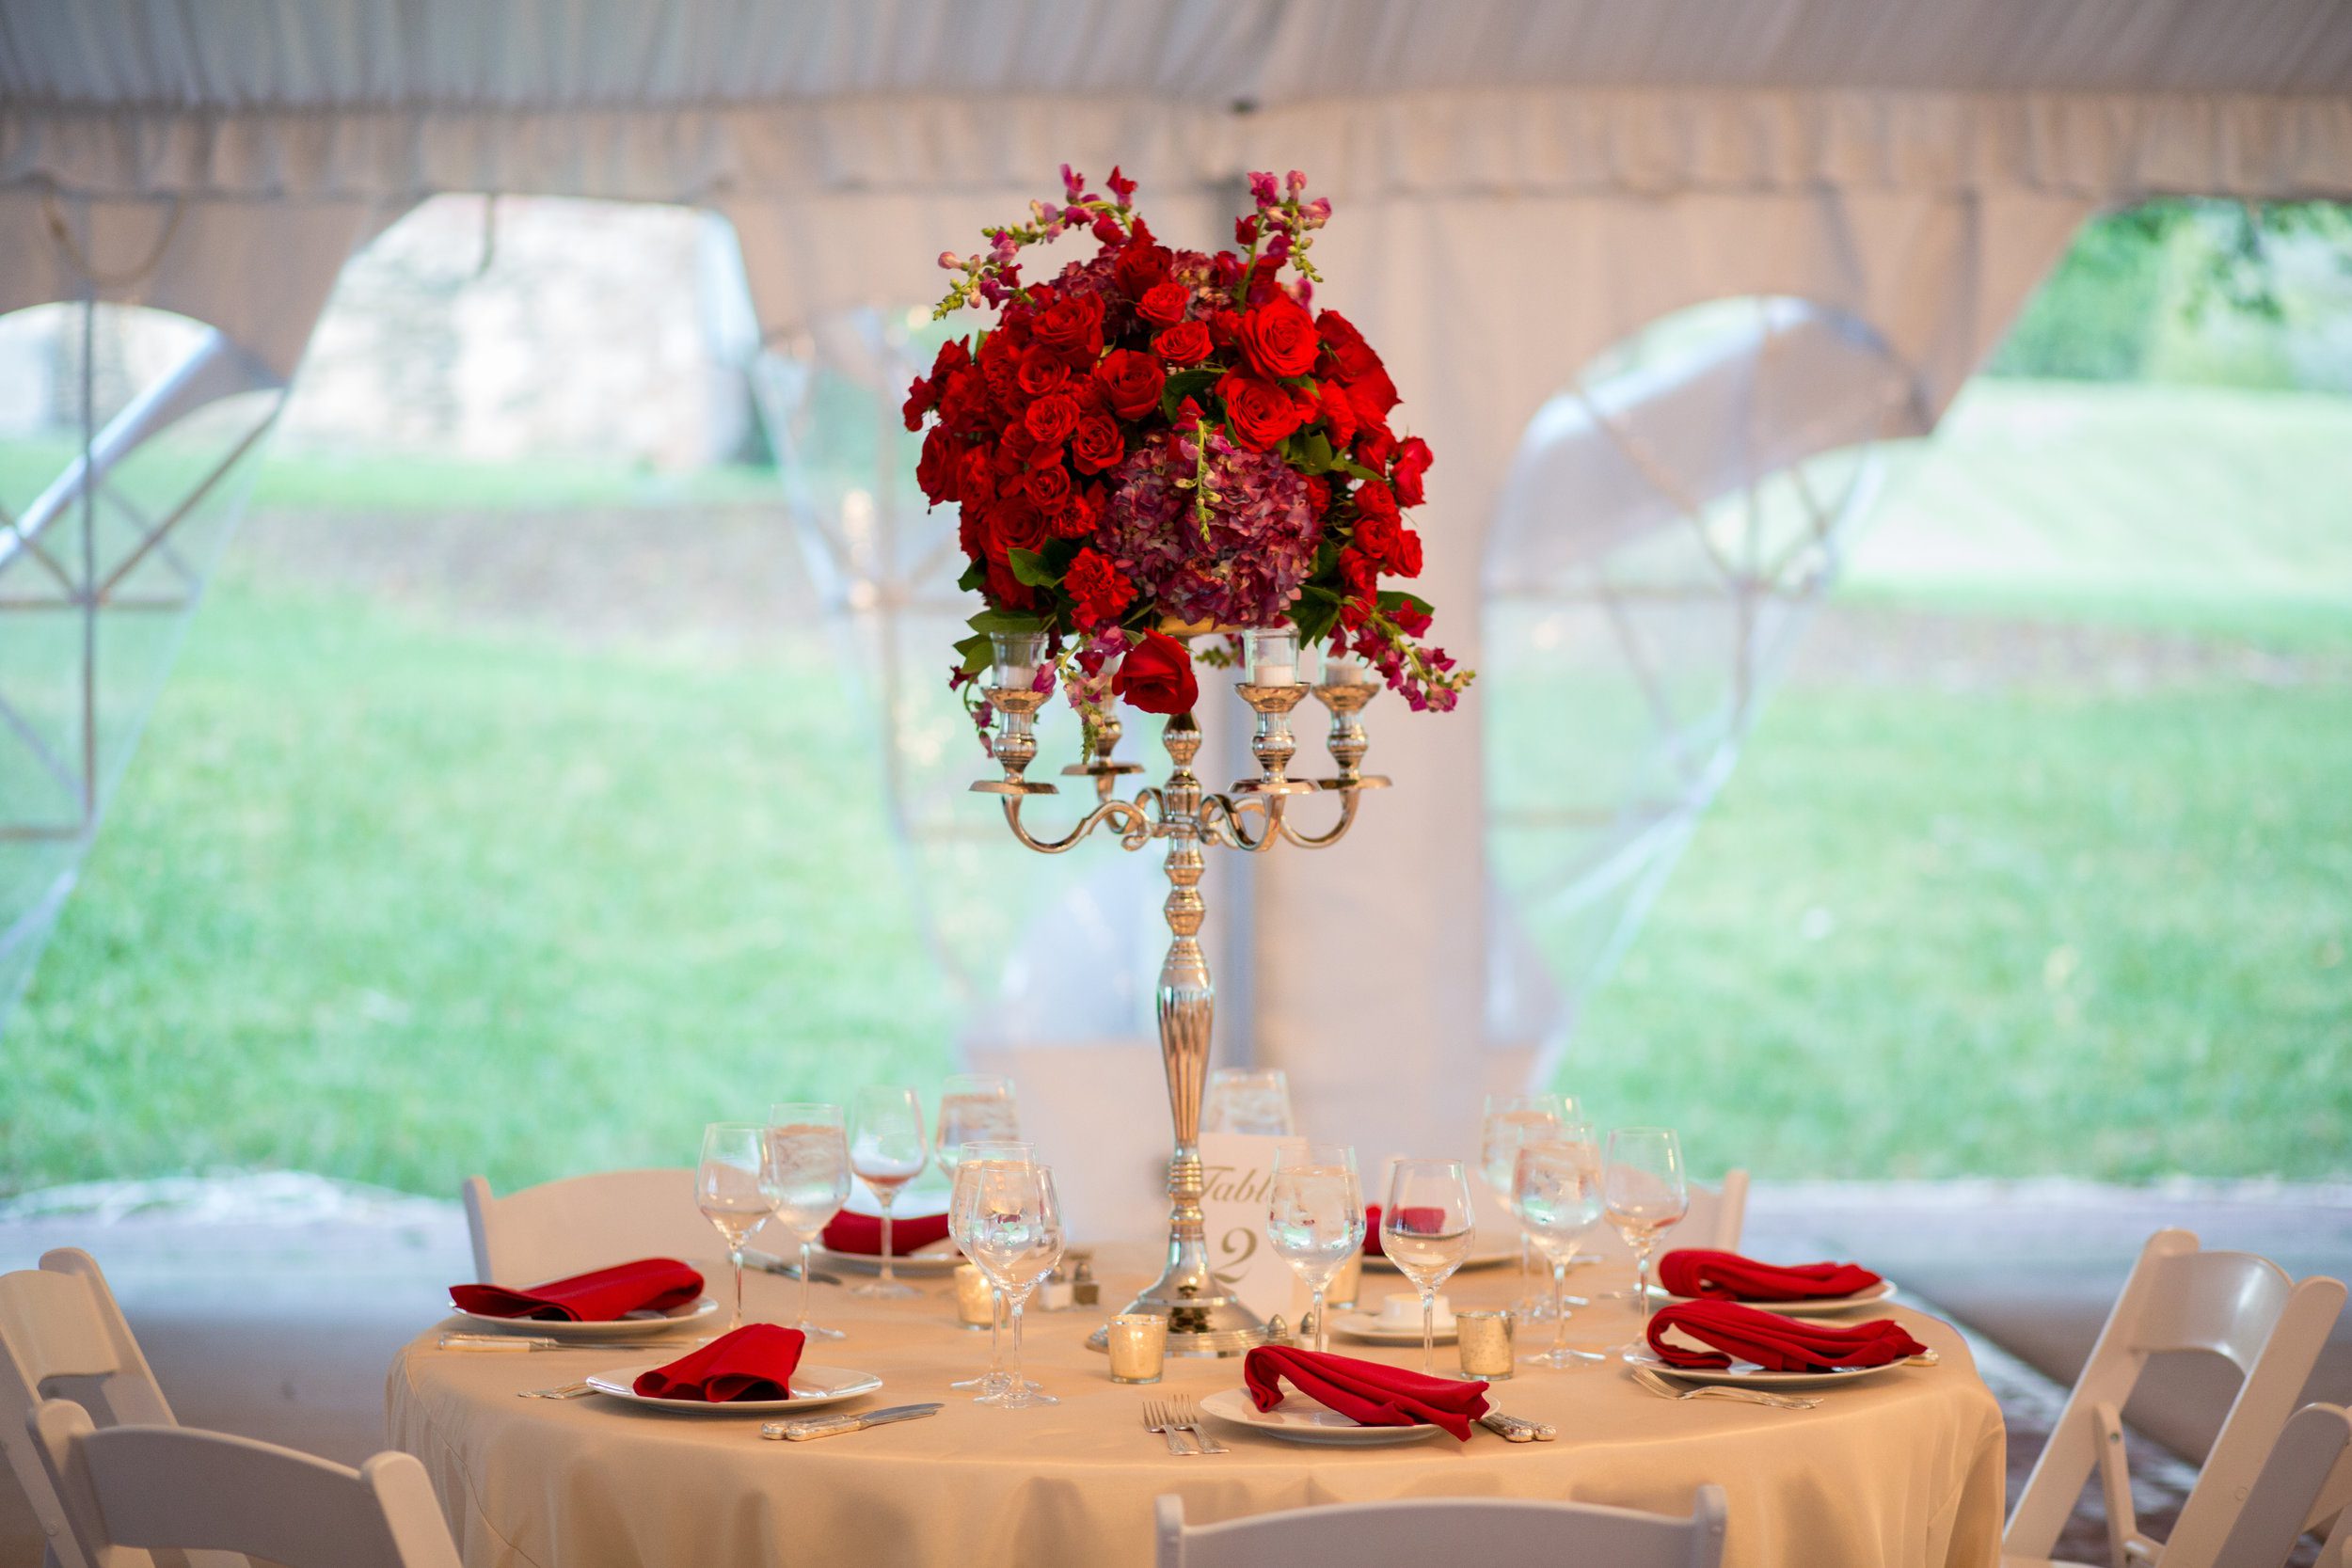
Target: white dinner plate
(935, 1260)
(813, 1388)
(1300, 1419)
(1746, 1374)
(1824, 1308)
(1369, 1328)
(636, 1325)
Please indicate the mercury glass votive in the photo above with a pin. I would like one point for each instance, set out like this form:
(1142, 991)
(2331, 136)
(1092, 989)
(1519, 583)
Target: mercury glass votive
(1483, 1339)
(1138, 1347)
(975, 1298)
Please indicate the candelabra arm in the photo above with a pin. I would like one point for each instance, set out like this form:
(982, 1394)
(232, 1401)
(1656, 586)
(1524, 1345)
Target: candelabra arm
(1135, 823)
(1220, 821)
(1318, 841)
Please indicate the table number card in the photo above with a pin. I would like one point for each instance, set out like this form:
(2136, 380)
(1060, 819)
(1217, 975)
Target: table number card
(1237, 1169)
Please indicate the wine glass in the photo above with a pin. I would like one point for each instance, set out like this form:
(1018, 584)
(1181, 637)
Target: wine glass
(1643, 1188)
(974, 1107)
(1315, 1216)
(887, 1151)
(805, 1176)
(727, 1189)
(1426, 1231)
(1247, 1100)
(995, 1382)
(1555, 1189)
(1013, 1221)
(1511, 1120)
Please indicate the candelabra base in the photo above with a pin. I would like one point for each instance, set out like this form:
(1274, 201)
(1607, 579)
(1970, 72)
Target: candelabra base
(1218, 1327)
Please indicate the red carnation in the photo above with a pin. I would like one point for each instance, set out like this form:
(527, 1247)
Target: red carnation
(1071, 327)
(1051, 419)
(921, 399)
(1076, 516)
(1413, 458)
(1337, 413)
(1101, 591)
(1261, 413)
(1164, 303)
(1096, 444)
(1279, 339)
(1349, 352)
(1372, 395)
(1156, 677)
(1132, 381)
(1185, 343)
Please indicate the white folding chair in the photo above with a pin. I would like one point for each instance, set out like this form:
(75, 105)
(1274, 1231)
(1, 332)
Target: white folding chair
(1415, 1533)
(1717, 1216)
(2293, 1493)
(133, 1490)
(2178, 1298)
(568, 1226)
(62, 1333)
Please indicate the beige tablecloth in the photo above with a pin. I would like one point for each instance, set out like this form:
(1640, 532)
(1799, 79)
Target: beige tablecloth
(1903, 1470)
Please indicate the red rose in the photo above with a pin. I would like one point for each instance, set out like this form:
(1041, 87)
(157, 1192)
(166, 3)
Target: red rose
(1375, 499)
(1050, 489)
(1101, 591)
(1006, 592)
(938, 469)
(953, 355)
(1041, 372)
(1015, 523)
(1408, 561)
(1413, 458)
(976, 483)
(1164, 303)
(1141, 267)
(1359, 578)
(1375, 446)
(1002, 374)
(1349, 352)
(1337, 413)
(1096, 444)
(1051, 419)
(1071, 327)
(1279, 339)
(971, 530)
(1132, 381)
(1397, 548)
(1185, 343)
(1372, 395)
(1261, 413)
(1156, 677)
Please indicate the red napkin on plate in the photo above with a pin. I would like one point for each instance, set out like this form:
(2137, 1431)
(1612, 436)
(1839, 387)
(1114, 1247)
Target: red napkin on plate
(862, 1233)
(1775, 1344)
(1729, 1276)
(1418, 1218)
(1369, 1393)
(598, 1297)
(755, 1362)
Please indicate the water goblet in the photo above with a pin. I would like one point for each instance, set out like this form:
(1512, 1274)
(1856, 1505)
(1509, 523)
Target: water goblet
(994, 1384)
(1426, 1231)
(886, 1150)
(1556, 1191)
(1315, 1218)
(1247, 1100)
(805, 1172)
(974, 1107)
(1511, 1120)
(1644, 1191)
(1012, 1218)
(727, 1189)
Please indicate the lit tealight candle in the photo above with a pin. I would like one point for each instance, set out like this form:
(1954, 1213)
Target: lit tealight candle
(1138, 1347)
(976, 1299)
(1483, 1339)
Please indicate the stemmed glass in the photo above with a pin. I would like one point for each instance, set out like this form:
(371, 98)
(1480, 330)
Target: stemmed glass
(1012, 1221)
(727, 1189)
(1555, 1189)
(1511, 1120)
(995, 1382)
(887, 1151)
(974, 1107)
(1315, 1218)
(1645, 1190)
(805, 1176)
(1241, 1100)
(1426, 1231)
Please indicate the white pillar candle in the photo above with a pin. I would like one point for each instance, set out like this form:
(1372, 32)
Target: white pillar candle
(1272, 674)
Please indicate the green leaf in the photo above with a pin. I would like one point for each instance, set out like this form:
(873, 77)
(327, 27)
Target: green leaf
(1182, 386)
(974, 576)
(989, 621)
(1315, 612)
(1030, 567)
(1316, 452)
(975, 652)
(1359, 469)
(1395, 599)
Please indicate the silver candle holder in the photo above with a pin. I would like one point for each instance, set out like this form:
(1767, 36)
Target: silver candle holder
(1203, 1317)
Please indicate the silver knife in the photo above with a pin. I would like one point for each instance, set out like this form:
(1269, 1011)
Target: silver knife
(1509, 1428)
(768, 1262)
(833, 1426)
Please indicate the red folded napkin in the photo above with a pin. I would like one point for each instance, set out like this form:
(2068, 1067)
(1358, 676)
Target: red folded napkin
(1775, 1344)
(862, 1233)
(1415, 1218)
(598, 1297)
(1369, 1393)
(755, 1362)
(1729, 1276)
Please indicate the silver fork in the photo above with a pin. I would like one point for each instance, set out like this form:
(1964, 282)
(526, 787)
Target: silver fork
(561, 1391)
(1155, 1419)
(1657, 1384)
(1189, 1420)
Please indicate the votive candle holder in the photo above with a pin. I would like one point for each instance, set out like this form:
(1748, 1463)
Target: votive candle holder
(1483, 1341)
(975, 1298)
(1138, 1347)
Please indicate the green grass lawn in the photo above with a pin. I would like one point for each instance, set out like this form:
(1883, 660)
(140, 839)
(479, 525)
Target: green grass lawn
(393, 895)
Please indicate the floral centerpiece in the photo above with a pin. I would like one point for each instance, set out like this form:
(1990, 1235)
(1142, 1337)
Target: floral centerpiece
(1161, 441)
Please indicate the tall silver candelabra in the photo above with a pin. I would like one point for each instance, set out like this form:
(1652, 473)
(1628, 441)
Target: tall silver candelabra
(1203, 1317)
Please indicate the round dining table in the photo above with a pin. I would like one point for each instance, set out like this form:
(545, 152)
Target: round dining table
(1901, 1469)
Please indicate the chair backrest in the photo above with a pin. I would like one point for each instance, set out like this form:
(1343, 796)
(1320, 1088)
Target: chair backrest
(2178, 1298)
(579, 1222)
(143, 1489)
(1415, 1533)
(1717, 1216)
(2292, 1488)
(59, 1322)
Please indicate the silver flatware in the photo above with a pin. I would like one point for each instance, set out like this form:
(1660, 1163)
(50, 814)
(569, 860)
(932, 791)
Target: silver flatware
(1658, 1385)
(1509, 1428)
(768, 1262)
(1189, 1420)
(509, 1343)
(561, 1391)
(1155, 1419)
(810, 1427)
